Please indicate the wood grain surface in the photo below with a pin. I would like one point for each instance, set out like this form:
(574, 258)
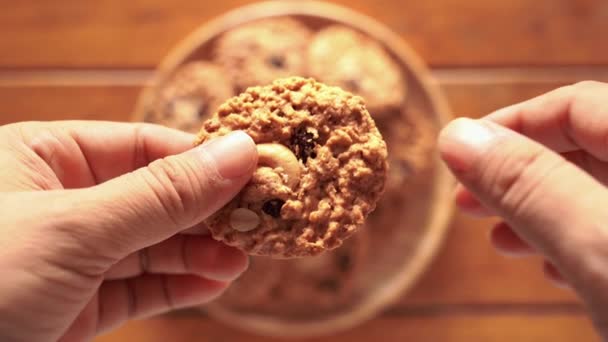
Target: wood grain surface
(494, 328)
(70, 59)
(114, 33)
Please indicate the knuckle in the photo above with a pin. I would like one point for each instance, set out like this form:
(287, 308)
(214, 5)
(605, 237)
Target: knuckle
(173, 182)
(86, 259)
(515, 177)
(588, 85)
(584, 96)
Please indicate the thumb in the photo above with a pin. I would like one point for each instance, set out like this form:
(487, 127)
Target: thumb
(550, 203)
(153, 203)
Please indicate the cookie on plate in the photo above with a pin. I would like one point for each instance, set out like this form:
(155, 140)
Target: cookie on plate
(324, 281)
(253, 289)
(322, 168)
(262, 51)
(340, 56)
(190, 96)
(303, 285)
(411, 137)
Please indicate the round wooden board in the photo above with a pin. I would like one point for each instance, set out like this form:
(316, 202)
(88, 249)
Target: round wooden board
(434, 192)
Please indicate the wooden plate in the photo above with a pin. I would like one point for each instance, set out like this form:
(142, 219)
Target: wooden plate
(402, 251)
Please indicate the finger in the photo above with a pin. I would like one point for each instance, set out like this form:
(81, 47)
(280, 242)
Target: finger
(567, 119)
(145, 207)
(590, 164)
(198, 229)
(467, 202)
(554, 275)
(508, 243)
(182, 254)
(84, 326)
(147, 295)
(550, 203)
(85, 153)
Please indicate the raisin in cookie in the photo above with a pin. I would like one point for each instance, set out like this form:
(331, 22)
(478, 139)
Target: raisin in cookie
(342, 57)
(190, 96)
(260, 52)
(321, 168)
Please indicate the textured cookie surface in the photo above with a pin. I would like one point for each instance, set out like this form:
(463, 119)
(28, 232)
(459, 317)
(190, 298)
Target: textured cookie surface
(260, 52)
(322, 168)
(339, 56)
(190, 96)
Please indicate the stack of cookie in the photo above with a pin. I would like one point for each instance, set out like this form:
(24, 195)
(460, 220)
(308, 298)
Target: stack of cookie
(299, 288)
(188, 98)
(257, 54)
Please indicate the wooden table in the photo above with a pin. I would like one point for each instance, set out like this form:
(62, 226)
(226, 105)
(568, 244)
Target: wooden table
(69, 59)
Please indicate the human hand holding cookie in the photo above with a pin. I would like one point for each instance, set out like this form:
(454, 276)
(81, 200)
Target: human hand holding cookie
(90, 218)
(93, 211)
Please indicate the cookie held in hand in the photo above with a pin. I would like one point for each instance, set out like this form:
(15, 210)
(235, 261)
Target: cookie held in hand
(321, 170)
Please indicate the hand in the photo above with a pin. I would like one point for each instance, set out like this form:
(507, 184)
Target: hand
(90, 215)
(542, 166)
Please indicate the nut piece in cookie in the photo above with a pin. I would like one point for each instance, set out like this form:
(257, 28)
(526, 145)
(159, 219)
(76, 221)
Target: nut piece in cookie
(342, 57)
(191, 95)
(262, 51)
(322, 168)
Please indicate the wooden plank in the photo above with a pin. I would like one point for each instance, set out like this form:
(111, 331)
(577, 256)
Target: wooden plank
(493, 328)
(66, 102)
(467, 269)
(477, 92)
(111, 94)
(113, 33)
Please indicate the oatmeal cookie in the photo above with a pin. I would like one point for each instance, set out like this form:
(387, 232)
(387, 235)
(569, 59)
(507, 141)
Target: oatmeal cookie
(253, 289)
(190, 96)
(260, 52)
(322, 168)
(410, 137)
(324, 281)
(342, 57)
(301, 285)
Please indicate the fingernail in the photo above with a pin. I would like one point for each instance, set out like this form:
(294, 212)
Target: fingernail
(463, 141)
(234, 154)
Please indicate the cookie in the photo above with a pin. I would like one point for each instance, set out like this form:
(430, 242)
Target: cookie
(411, 136)
(299, 286)
(342, 57)
(322, 168)
(253, 289)
(190, 96)
(325, 281)
(260, 52)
